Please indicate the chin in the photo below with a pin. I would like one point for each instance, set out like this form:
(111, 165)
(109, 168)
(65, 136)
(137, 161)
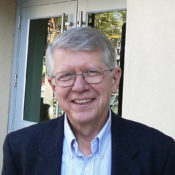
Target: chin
(82, 117)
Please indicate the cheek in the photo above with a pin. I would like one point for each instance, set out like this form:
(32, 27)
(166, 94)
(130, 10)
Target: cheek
(104, 93)
(107, 92)
(61, 94)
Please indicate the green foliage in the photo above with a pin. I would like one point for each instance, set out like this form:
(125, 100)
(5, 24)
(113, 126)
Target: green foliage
(110, 23)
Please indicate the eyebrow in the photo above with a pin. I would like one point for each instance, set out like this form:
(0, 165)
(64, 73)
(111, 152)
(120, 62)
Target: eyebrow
(88, 68)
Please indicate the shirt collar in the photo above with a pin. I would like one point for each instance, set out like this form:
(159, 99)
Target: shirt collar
(104, 135)
(69, 136)
(99, 142)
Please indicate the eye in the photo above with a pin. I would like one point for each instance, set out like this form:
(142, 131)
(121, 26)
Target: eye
(65, 76)
(92, 73)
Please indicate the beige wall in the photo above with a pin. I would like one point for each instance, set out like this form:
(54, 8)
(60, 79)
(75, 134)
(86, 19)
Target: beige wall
(149, 84)
(7, 24)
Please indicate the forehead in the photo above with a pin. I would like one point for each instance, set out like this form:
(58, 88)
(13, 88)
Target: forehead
(65, 51)
(64, 58)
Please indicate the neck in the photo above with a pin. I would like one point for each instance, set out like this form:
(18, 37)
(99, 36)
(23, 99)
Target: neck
(85, 133)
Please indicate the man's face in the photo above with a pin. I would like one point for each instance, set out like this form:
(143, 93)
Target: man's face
(82, 102)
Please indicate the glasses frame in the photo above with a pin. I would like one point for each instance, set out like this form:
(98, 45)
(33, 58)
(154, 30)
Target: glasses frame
(83, 76)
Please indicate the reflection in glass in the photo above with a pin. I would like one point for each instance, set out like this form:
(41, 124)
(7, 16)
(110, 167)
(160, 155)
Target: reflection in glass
(48, 103)
(39, 102)
(110, 23)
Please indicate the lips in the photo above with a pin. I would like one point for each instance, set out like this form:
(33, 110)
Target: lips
(83, 101)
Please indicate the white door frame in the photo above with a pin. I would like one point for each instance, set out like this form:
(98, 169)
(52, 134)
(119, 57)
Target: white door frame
(17, 97)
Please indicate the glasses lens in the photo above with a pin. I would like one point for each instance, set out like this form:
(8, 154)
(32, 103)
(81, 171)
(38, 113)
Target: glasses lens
(64, 79)
(93, 75)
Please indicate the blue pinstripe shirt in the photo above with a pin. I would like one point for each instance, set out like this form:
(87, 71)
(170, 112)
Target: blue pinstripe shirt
(99, 162)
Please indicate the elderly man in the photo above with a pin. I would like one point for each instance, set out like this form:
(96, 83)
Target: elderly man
(89, 138)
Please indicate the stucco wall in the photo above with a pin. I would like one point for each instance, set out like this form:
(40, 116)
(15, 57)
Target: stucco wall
(7, 24)
(149, 82)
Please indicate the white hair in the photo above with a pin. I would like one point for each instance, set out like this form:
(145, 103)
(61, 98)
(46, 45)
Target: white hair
(82, 39)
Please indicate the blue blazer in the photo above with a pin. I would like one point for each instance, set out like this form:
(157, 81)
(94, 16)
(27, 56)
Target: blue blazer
(136, 149)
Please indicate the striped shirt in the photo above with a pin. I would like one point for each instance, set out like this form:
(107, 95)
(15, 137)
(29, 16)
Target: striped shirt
(99, 162)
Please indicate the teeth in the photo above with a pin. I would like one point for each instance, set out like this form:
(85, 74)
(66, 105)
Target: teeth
(83, 101)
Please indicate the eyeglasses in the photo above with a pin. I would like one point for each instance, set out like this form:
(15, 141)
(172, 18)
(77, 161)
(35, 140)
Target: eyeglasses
(91, 76)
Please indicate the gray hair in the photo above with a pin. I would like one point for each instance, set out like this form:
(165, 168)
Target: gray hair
(82, 39)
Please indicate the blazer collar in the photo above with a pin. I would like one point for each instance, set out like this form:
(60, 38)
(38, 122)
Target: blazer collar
(124, 149)
(51, 147)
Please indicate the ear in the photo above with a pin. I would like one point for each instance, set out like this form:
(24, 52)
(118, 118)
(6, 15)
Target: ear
(52, 83)
(116, 75)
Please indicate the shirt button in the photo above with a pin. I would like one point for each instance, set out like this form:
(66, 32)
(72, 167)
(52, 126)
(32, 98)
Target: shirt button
(86, 169)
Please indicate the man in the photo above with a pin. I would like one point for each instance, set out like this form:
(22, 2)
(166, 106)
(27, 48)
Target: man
(89, 138)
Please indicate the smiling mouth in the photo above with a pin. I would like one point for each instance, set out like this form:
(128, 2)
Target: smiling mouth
(83, 101)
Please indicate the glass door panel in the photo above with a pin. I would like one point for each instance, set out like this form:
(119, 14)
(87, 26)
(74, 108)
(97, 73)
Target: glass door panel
(110, 23)
(40, 24)
(39, 102)
(37, 44)
(34, 97)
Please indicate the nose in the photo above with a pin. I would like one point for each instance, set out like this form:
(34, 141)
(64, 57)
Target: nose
(79, 84)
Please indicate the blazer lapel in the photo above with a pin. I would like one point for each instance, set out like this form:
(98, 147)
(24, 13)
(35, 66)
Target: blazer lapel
(51, 148)
(124, 149)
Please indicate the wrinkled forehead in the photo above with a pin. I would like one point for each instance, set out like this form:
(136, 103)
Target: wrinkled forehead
(66, 57)
(58, 50)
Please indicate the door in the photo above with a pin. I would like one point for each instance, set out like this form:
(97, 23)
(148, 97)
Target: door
(32, 99)
(36, 25)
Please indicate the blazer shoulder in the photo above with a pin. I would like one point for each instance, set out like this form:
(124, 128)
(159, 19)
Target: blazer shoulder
(34, 133)
(39, 126)
(152, 149)
(143, 135)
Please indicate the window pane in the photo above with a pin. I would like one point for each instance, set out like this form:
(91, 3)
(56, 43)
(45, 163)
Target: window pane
(110, 23)
(39, 101)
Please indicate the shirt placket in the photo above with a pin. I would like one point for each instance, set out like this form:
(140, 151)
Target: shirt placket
(88, 168)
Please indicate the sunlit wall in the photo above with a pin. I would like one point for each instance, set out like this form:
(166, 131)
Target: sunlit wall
(149, 82)
(7, 23)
